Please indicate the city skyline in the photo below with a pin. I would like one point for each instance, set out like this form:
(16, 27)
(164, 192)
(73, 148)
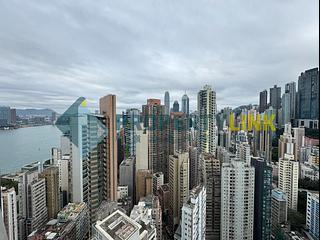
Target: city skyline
(139, 51)
(159, 120)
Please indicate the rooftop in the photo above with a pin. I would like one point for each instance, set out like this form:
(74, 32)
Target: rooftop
(118, 226)
(279, 195)
(71, 211)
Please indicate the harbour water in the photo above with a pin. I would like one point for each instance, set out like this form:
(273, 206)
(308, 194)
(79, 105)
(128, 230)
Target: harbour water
(24, 145)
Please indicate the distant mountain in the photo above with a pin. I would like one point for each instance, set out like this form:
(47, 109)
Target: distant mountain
(34, 112)
(239, 109)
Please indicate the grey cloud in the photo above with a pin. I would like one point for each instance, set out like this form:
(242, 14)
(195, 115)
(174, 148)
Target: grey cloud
(52, 52)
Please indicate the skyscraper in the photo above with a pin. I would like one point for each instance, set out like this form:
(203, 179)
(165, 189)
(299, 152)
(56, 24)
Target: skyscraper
(185, 104)
(263, 101)
(237, 200)
(8, 210)
(308, 95)
(288, 179)
(88, 155)
(167, 103)
(130, 119)
(70, 123)
(178, 183)
(193, 215)
(108, 109)
(286, 108)
(291, 89)
(207, 108)
(262, 198)
(175, 107)
(275, 100)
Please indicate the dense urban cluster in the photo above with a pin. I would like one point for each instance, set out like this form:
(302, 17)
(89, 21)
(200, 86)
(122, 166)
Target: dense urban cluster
(169, 173)
(12, 118)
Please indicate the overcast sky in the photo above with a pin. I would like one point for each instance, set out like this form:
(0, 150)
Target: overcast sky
(52, 52)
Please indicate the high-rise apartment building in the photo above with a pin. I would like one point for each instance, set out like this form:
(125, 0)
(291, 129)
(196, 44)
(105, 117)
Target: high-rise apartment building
(263, 138)
(167, 103)
(51, 175)
(263, 101)
(193, 215)
(108, 109)
(178, 132)
(299, 135)
(308, 95)
(194, 167)
(8, 210)
(211, 179)
(178, 183)
(288, 179)
(37, 212)
(207, 109)
(287, 143)
(63, 165)
(312, 214)
(243, 152)
(185, 104)
(154, 119)
(279, 210)
(262, 198)
(237, 200)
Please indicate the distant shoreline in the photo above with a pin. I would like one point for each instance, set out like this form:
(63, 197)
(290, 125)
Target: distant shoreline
(23, 126)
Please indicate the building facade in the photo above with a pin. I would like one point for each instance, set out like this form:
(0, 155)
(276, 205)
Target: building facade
(8, 209)
(312, 214)
(262, 198)
(237, 200)
(193, 215)
(308, 95)
(207, 109)
(108, 109)
(288, 179)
